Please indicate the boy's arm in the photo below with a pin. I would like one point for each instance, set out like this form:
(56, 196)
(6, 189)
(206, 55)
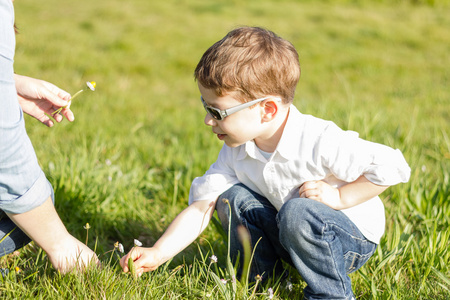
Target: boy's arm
(183, 230)
(344, 197)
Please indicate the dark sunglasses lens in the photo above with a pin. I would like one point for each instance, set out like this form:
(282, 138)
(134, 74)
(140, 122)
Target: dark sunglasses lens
(214, 113)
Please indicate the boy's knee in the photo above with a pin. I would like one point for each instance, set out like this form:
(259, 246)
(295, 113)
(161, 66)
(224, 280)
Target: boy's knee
(233, 192)
(234, 196)
(301, 208)
(223, 210)
(227, 200)
(297, 215)
(292, 209)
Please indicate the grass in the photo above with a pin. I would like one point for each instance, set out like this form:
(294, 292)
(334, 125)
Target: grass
(125, 165)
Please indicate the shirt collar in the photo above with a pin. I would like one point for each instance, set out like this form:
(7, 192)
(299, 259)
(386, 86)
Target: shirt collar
(251, 150)
(289, 144)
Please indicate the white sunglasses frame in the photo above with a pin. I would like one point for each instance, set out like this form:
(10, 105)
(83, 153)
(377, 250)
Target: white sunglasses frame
(229, 111)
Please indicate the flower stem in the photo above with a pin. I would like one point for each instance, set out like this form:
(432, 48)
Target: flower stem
(76, 94)
(61, 108)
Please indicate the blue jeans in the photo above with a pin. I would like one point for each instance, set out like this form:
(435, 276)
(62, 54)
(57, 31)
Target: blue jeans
(320, 242)
(11, 237)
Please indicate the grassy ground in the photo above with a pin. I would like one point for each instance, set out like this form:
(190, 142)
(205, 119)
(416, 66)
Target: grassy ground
(125, 165)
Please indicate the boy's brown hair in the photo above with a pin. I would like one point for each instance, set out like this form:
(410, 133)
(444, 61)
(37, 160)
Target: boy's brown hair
(250, 62)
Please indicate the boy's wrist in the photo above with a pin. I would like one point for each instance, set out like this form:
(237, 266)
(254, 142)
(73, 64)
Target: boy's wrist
(159, 254)
(359, 191)
(341, 202)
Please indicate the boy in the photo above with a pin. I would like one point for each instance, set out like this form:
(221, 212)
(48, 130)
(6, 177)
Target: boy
(305, 189)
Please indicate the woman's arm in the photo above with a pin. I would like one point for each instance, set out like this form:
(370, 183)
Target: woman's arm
(43, 225)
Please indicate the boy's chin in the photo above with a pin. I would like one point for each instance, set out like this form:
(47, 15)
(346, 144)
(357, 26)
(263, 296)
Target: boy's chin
(233, 145)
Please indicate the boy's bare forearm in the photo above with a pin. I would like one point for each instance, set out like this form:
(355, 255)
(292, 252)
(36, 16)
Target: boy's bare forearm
(184, 229)
(359, 191)
(346, 196)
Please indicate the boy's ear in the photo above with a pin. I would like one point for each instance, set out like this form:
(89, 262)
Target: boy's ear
(269, 110)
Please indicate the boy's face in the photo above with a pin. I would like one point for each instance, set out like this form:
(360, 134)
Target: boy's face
(238, 128)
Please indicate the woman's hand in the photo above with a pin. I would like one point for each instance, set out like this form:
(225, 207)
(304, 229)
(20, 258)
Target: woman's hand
(38, 98)
(71, 254)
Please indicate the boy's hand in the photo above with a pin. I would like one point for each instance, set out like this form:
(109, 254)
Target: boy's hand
(322, 192)
(145, 259)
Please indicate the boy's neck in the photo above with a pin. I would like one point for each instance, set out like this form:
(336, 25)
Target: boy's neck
(269, 142)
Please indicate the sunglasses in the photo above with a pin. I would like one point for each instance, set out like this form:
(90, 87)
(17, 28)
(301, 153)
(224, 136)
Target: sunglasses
(222, 114)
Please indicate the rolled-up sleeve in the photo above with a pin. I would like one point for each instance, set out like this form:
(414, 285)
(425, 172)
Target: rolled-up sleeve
(348, 157)
(23, 185)
(389, 167)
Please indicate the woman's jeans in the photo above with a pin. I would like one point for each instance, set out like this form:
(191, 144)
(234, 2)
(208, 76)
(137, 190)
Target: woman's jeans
(11, 237)
(320, 242)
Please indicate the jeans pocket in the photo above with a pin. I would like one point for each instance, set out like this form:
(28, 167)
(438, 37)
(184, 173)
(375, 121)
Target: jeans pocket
(354, 260)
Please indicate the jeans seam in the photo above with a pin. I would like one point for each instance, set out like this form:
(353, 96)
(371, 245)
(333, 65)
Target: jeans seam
(352, 265)
(335, 267)
(251, 205)
(246, 207)
(362, 239)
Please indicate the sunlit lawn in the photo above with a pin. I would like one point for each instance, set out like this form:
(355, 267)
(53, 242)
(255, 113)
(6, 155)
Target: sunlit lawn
(125, 165)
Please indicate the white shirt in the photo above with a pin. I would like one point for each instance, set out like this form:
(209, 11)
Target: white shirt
(309, 149)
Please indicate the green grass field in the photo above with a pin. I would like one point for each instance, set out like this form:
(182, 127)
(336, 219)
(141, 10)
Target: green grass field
(126, 163)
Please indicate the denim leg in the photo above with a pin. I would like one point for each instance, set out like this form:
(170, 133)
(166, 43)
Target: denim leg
(259, 216)
(11, 237)
(324, 245)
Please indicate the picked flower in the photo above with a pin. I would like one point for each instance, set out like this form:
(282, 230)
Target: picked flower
(213, 259)
(137, 243)
(119, 247)
(91, 85)
(87, 226)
